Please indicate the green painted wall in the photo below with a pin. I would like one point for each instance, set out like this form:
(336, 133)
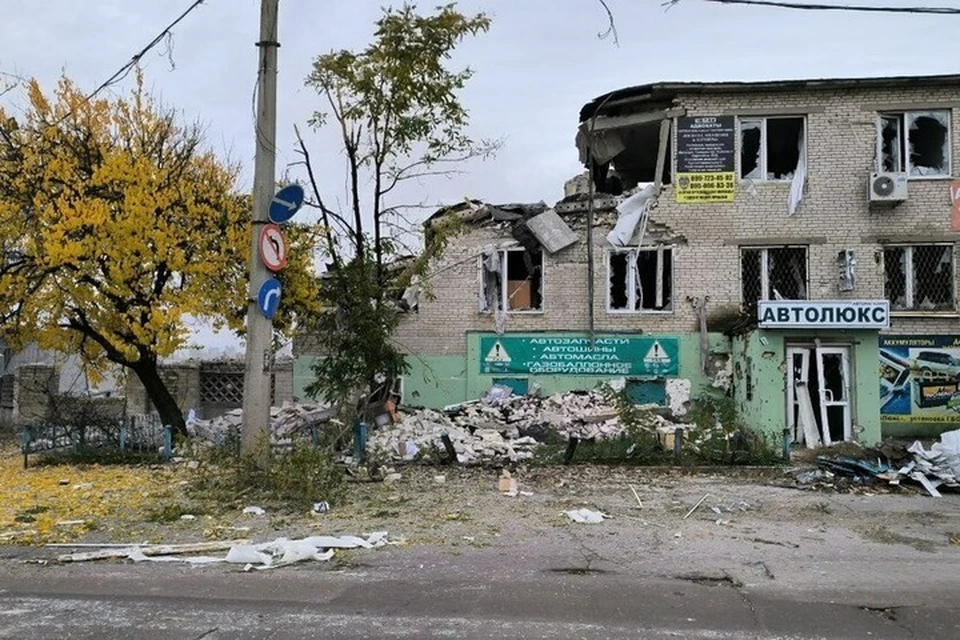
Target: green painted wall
(760, 378)
(302, 376)
(433, 381)
(437, 381)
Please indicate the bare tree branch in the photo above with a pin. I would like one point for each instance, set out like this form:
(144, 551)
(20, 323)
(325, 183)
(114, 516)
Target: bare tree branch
(328, 233)
(612, 25)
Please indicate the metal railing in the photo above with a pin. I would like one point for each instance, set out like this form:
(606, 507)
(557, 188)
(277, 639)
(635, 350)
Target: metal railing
(140, 434)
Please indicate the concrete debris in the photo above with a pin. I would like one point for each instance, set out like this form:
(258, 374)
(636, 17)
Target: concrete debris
(507, 483)
(505, 428)
(934, 468)
(286, 421)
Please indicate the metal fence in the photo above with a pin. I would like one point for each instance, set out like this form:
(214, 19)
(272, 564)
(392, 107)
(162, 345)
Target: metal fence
(142, 434)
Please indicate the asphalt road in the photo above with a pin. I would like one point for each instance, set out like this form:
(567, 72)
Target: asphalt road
(424, 593)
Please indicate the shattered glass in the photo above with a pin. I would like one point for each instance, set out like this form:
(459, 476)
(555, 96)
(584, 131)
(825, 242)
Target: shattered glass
(895, 268)
(891, 145)
(750, 138)
(647, 280)
(619, 296)
(524, 282)
(783, 141)
(929, 142)
(933, 277)
(787, 273)
(919, 277)
(785, 277)
(634, 279)
(750, 276)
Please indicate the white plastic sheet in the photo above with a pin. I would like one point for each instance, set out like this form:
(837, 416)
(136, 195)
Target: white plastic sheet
(586, 516)
(799, 178)
(629, 212)
(276, 553)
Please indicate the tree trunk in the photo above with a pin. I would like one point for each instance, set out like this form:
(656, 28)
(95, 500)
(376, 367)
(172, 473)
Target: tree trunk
(161, 397)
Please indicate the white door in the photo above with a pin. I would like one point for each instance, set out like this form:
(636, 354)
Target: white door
(798, 364)
(833, 373)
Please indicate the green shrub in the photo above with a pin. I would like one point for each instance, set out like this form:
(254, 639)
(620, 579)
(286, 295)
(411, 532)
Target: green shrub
(295, 477)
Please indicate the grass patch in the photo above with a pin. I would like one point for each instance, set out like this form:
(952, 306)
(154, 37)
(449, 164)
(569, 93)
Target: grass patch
(89, 456)
(171, 512)
(296, 478)
(718, 439)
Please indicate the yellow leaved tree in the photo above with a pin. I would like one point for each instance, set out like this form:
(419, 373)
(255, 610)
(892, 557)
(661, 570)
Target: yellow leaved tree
(116, 223)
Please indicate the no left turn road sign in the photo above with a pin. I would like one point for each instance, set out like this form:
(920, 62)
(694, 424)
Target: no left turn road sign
(273, 247)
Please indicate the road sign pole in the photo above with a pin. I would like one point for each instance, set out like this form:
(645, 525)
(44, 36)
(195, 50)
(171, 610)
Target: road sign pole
(256, 382)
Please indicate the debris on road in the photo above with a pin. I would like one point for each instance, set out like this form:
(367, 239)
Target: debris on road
(267, 555)
(507, 484)
(586, 516)
(637, 496)
(696, 506)
(148, 550)
(933, 468)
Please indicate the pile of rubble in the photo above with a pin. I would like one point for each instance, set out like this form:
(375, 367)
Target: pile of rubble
(285, 422)
(421, 433)
(891, 464)
(506, 427)
(500, 427)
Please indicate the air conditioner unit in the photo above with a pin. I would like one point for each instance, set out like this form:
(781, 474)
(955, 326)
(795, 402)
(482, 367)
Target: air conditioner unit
(887, 187)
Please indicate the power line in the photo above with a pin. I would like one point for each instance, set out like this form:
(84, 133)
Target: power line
(125, 69)
(831, 7)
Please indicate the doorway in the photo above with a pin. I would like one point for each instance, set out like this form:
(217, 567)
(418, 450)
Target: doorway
(818, 394)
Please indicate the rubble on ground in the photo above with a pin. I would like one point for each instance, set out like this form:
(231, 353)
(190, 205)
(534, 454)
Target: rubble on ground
(501, 427)
(285, 421)
(504, 427)
(420, 432)
(890, 465)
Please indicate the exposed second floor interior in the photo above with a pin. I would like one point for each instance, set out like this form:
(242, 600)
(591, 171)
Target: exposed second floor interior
(902, 126)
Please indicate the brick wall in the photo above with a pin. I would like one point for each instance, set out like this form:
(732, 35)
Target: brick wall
(184, 381)
(834, 215)
(36, 387)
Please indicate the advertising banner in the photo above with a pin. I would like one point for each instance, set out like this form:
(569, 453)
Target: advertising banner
(706, 161)
(920, 378)
(614, 355)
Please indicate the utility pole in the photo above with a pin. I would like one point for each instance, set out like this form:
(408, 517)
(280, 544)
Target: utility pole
(259, 355)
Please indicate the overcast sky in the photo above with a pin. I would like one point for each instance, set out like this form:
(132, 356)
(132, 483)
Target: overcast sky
(536, 67)
(540, 62)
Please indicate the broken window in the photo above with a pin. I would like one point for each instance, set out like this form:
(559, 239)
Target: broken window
(773, 273)
(770, 148)
(915, 142)
(512, 280)
(919, 277)
(641, 279)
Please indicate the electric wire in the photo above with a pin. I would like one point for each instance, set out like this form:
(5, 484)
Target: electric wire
(783, 4)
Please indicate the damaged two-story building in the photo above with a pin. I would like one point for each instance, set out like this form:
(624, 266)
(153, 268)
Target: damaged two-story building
(792, 243)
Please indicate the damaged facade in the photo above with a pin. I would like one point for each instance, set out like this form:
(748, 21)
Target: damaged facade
(792, 242)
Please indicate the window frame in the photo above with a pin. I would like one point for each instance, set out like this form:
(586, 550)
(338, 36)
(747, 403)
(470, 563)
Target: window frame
(504, 286)
(904, 130)
(763, 145)
(631, 283)
(910, 284)
(765, 270)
